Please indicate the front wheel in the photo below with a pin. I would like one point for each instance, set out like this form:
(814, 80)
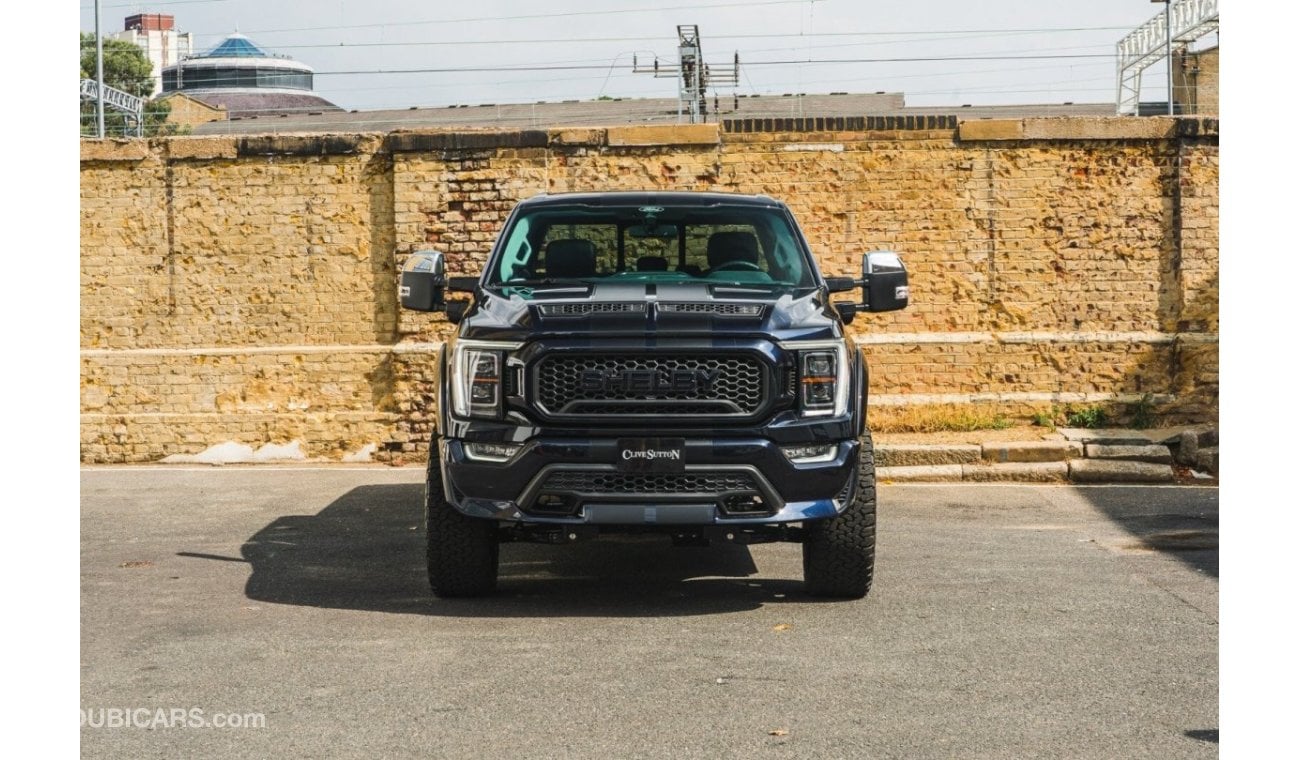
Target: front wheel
(461, 551)
(839, 554)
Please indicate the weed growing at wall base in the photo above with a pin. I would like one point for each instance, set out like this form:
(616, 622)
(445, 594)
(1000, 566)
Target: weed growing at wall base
(942, 419)
(1087, 417)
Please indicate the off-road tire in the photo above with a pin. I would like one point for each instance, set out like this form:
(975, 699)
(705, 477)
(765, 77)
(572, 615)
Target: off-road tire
(839, 554)
(461, 551)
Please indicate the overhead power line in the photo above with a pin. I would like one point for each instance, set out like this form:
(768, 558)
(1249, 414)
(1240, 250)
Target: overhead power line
(604, 66)
(660, 38)
(549, 15)
(790, 62)
(154, 4)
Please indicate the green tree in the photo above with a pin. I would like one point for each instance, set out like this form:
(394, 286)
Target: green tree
(125, 68)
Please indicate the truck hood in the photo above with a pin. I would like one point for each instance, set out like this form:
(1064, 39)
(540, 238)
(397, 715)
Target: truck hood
(629, 309)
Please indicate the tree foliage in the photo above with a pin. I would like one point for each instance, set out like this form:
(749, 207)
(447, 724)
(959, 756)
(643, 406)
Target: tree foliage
(128, 69)
(125, 65)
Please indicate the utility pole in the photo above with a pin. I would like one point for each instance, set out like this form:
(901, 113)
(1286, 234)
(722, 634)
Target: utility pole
(1169, 56)
(99, 76)
(693, 75)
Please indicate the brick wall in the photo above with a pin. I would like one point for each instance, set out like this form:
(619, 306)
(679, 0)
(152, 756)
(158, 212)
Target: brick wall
(244, 288)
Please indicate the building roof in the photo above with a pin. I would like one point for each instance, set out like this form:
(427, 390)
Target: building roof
(594, 113)
(260, 104)
(235, 46)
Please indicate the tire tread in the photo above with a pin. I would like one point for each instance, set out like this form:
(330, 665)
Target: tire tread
(839, 554)
(461, 552)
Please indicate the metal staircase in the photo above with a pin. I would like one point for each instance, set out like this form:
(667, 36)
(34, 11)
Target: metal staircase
(125, 102)
(1189, 21)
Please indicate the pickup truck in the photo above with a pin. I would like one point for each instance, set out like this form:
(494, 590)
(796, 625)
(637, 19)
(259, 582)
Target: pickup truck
(666, 362)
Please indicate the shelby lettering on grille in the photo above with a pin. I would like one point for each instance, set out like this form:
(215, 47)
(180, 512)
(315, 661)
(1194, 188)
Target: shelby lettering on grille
(648, 380)
(640, 384)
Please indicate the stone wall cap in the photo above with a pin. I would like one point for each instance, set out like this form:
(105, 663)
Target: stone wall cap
(114, 149)
(1087, 128)
(423, 140)
(663, 134)
(197, 147)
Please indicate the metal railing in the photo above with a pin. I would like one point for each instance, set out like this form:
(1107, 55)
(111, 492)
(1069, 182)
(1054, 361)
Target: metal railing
(125, 102)
(1189, 21)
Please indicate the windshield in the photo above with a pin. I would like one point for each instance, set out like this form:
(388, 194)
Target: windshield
(559, 245)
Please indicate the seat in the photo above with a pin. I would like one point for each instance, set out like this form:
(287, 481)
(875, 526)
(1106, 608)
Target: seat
(731, 248)
(570, 257)
(652, 264)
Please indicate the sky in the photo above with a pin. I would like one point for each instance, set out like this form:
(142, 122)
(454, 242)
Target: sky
(584, 49)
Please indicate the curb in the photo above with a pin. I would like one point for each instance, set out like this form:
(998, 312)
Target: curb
(902, 455)
(1085, 456)
(1114, 471)
(1032, 451)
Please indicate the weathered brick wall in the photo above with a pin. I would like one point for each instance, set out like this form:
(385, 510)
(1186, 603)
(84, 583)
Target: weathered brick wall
(244, 288)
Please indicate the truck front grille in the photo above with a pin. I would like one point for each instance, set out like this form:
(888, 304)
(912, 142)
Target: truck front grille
(650, 385)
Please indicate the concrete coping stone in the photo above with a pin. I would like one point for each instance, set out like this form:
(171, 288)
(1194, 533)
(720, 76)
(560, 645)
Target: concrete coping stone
(577, 136)
(1119, 471)
(1128, 437)
(199, 148)
(303, 145)
(1087, 128)
(440, 140)
(114, 149)
(1154, 453)
(662, 134)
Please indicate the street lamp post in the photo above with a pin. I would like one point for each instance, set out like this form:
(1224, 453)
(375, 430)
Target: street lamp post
(1169, 55)
(99, 76)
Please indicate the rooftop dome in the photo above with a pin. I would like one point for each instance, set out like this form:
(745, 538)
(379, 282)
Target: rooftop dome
(235, 46)
(240, 76)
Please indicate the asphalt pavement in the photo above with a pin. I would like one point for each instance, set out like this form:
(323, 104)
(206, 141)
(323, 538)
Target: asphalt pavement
(1007, 621)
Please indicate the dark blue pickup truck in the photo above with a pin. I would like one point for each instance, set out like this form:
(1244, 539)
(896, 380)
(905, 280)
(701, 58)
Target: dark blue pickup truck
(651, 362)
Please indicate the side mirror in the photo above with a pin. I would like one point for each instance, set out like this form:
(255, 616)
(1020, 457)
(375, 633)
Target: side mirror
(840, 284)
(462, 284)
(884, 282)
(424, 278)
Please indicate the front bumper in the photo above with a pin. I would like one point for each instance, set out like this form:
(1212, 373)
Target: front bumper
(727, 481)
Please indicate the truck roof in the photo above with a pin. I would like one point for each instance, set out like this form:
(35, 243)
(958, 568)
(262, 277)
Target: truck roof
(651, 197)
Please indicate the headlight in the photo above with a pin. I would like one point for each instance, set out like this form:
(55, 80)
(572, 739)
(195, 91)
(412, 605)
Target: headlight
(810, 454)
(477, 369)
(492, 452)
(823, 378)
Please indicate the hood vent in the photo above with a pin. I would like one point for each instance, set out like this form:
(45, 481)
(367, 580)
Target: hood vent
(716, 309)
(583, 309)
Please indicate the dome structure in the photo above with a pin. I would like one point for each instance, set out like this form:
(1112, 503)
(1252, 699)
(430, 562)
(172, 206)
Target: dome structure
(246, 80)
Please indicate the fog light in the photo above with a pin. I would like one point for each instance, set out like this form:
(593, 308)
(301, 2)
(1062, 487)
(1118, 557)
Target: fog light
(821, 452)
(738, 503)
(554, 503)
(491, 452)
